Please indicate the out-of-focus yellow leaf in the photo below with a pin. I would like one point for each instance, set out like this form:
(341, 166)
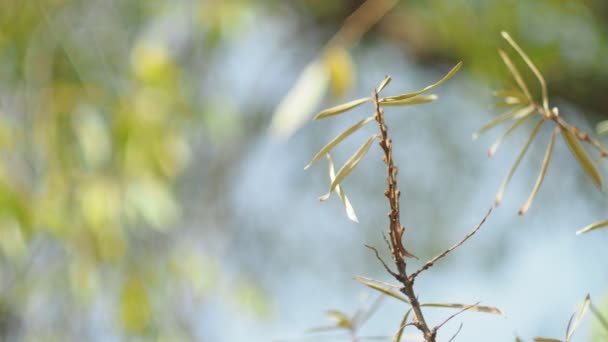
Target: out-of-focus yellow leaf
(340, 68)
(151, 61)
(335, 141)
(594, 226)
(511, 129)
(516, 113)
(340, 318)
(581, 313)
(386, 81)
(478, 308)
(409, 101)
(602, 127)
(382, 289)
(12, 241)
(541, 175)
(349, 166)
(300, 101)
(399, 333)
(521, 154)
(83, 279)
(582, 157)
(135, 308)
(339, 109)
(430, 87)
(151, 200)
(350, 211)
(544, 339)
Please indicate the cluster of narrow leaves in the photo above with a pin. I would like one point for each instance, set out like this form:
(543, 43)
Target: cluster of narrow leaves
(522, 107)
(407, 99)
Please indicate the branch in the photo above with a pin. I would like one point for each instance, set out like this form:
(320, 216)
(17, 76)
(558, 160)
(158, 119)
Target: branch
(452, 316)
(431, 262)
(383, 263)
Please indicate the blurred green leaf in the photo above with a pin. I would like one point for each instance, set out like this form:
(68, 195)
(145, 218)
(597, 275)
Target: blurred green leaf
(340, 318)
(516, 113)
(399, 333)
(135, 308)
(582, 157)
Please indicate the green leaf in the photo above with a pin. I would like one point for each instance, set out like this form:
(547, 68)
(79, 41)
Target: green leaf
(602, 127)
(582, 157)
(382, 289)
(579, 317)
(532, 67)
(478, 308)
(541, 175)
(399, 333)
(432, 86)
(523, 151)
(516, 74)
(409, 101)
(516, 113)
(341, 108)
(350, 211)
(511, 129)
(349, 166)
(384, 83)
(335, 141)
(594, 226)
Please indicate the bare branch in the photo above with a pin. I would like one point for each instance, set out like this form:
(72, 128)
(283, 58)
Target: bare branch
(431, 262)
(382, 261)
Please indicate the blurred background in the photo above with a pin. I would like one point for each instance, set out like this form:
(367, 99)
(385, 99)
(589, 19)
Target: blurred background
(151, 182)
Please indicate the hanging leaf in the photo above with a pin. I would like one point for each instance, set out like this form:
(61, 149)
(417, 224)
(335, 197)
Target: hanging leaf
(350, 211)
(335, 141)
(382, 289)
(532, 67)
(478, 308)
(349, 166)
(593, 226)
(432, 86)
(341, 108)
(579, 317)
(521, 154)
(541, 175)
(516, 74)
(516, 113)
(399, 333)
(511, 129)
(384, 83)
(582, 157)
(409, 101)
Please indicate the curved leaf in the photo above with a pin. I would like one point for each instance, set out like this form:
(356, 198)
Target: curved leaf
(516, 74)
(579, 317)
(432, 86)
(382, 289)
(339, 109)
(350, 211)
(541, 175)
(335, 141)
(511, 129)
(384, 83)
(582, 157)
(594, 226)
(478, 308)
(516, 113)
(399, 333)
(409, 101)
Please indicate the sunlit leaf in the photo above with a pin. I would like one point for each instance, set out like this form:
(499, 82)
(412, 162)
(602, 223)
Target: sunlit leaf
(409, 101)
(579, 317)
(349, 166)
(135, 308)
(582, 157)
(532, 67)
(602, 127)
(516, 113)
(541, 175)
(516, 74)
(335, 141)
(399, 333)
(382, 289)
(341, 108)
(297, 106)
(479, 308)
(511, 129)
(523, 151)
(340, 318)
(350, 211)
(341, 69)
(432, 86)
(384, 83)
(594, 226)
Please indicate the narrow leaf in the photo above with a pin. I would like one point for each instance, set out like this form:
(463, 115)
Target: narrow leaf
(523, 151)
(510, 93)
(516, 74)
(602, 127)
(511, 129)
(532, 67)
(399, 333)
(579, 317)
(384, 83)
(349, 166)
(432, 86)
(594, 226)
(340, 318)
(515, 113)
(582, 157)
(543, 339)
(350, 211)
(541, 175)
(382, 289)
(409, 101)
(340, 108)
(479, 308)
(335, 141)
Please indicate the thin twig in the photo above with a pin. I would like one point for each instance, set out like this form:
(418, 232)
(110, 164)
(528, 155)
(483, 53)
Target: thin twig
(452, 316)
(382, 261)
(456, 334)
(431, 262)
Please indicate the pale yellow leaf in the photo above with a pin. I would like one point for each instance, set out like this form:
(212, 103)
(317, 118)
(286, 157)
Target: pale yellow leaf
(350, 211)
(382, 289)
(340, 68)
(399, 333)
(516, 113)
(579, 317)
(511, 129)
(409, 101)
(602, 127)
(541, 175)
(432, 86)
(339, 109)
(582, 157)
(516, 74)
(478, 308)
(594, 226)
(384, 83)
